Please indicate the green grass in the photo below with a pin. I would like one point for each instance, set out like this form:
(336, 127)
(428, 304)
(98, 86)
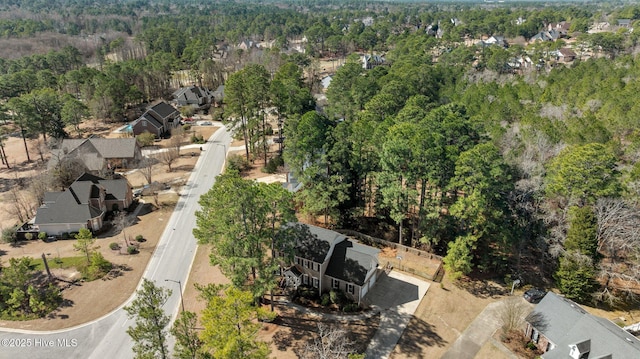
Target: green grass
(64, 263)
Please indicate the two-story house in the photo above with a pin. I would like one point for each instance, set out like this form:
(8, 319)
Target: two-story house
(327, 260)
(99, 154)
(159, 119)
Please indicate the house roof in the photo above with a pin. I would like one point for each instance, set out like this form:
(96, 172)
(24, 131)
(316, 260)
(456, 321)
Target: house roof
(566, 52)
(93, 151)
(566, 324)
(68, 207)
(192, 93)
(149, 118)
(72, 205)
(352, 261)
(164, 109)
(314, 242)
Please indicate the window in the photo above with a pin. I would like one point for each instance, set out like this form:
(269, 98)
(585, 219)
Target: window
(306, 263)
(316, 282)
(298, 260)
(317, 267)
(144, 123)
(305, 279)
(335, 284)
(350, 288)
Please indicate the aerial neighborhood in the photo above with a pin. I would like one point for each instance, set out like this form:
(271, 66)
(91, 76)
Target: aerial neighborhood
(319, 179)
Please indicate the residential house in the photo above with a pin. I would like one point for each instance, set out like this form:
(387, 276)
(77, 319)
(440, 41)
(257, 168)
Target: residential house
(246, 45)
(566, 55)
(371, 61)
(82, 205)
(626, 23)
(325, 82)
(99, 154)
(494, 40)
(562, 28)
(327, 260)
(196, 96)
(562, 329)
(551, 35)
(159, 119)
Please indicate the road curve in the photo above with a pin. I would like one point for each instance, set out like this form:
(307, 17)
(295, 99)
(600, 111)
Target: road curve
(106, 337)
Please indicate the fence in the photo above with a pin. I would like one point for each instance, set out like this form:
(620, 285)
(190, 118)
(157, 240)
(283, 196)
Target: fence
(436, 275)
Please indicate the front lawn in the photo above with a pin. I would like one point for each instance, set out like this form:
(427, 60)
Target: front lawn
(62, 263)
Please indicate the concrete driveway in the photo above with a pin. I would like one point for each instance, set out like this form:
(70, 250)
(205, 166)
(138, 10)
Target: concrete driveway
(397, 296)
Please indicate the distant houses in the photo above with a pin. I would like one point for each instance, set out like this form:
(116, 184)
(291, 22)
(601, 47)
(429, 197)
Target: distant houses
(371, 61)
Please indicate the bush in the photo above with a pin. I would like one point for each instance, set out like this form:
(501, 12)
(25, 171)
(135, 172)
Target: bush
(350, 308)
(337, 297)
(132, 250)
(237, 163)
(114, 246)
(186, 127)
(325, 301)
(28, 236)
(139, 238)
(146, 139)
(42, 235)
(97, 268)
(273, 164)
(9, 234)
(197, 139)
(64, 235)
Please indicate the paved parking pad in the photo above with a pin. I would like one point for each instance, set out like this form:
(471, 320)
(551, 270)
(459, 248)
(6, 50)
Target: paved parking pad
(397, 295)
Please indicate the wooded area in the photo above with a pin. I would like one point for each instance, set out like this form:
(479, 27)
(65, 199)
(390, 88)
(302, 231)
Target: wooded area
(508, 172)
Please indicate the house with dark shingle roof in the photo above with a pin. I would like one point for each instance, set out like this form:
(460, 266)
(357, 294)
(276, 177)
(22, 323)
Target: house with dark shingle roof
(195, 96)
(327, 260)
(159, 119)
(82, 205)
(98, 154)
(562, 329)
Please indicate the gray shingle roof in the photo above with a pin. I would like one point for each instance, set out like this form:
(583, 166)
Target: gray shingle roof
(352, 261)
(66, 209)
(164, 109)
(565, 323)
(314, 242)
(93, 151)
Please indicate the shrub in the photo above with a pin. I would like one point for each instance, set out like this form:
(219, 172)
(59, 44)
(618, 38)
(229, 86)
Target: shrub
(132, 250)
(273, 164)
(139, 238)
(97, 268)
(146, 139)
(42, 235)
(28, 236)
(64, 235)
(337, 297)
(350, 308)
(9, 235)
(186, 127)
(237, 163)
(114, 246)
(325, 301)
(198, 139)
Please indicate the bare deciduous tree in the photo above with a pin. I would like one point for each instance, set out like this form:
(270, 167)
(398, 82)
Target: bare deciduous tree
(146, 168)
(329, 343)
(168, 156)
(121, 222)
(512, 314)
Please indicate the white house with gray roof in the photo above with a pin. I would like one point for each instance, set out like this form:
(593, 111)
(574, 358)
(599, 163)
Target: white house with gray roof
(563, 330)
(327, 260)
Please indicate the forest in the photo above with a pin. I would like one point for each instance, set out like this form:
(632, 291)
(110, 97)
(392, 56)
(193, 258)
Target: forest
(508, 173)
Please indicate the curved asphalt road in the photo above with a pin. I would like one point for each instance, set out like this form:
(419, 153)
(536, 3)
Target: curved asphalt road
(106, 337)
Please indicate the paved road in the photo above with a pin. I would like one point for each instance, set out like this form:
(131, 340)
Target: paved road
(397, 296)
(172, 259)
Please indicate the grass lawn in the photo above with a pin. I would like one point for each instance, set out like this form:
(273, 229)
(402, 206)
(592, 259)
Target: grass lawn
(62, 263)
